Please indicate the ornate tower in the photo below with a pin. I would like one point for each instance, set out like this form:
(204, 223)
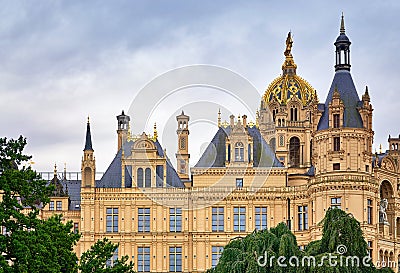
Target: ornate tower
(285, 114)
(343, 138)
(182, 155)
(123, 129)
(88, 168)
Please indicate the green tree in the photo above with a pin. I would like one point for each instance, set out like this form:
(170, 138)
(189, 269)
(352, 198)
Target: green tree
(339, 229)
(95, 259)
(29, 244)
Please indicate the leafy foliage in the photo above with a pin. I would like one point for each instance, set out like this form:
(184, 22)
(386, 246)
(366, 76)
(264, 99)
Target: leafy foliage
(95, 259)
(29, 244)
(339, 228)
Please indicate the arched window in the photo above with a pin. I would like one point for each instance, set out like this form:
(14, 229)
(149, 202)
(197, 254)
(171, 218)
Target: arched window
(293, 113)
(294, 152)
(386, 190)
(140, 177)
(147, 178)
(88, 176)
(239, 151)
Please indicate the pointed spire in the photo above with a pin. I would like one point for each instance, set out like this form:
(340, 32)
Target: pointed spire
(342, 45)
(55, 169)
(219, 117)
(366, 97)
(155, 134)
(336, 93)
(65, 172)
(88, 143)
(342, 29)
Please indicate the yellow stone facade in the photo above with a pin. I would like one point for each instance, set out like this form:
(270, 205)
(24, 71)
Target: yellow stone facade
(322, 160)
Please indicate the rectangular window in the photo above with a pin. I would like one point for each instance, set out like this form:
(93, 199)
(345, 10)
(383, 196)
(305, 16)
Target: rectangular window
(76, 227)
(218, 219)
(112, 220)
(302, 212)
(336, 166)
(239, 219)
(261, 217)
(110, 262)
(59, 205)
(336, 120)
(144, 220)
(370, 247)
(51, 205)
(175, 219)
(239, 182)
(216, 253)
(143, 260)
(336, 143)
(369, 211)
(336, 202)
(175, 259)
(367, 168)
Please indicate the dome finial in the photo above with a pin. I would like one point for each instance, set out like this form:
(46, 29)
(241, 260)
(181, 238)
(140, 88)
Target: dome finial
(342, 29)
(289, 44)
(289, 66)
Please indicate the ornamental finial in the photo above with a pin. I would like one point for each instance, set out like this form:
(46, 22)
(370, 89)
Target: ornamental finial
(289, 66)
(155, 134)
(289, 44)
(342, 29)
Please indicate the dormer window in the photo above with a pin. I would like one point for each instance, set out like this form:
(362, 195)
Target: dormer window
(239, 152)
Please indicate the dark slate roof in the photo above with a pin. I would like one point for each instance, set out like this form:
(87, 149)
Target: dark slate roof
(377, 159)
(215, 153)
(342, 38)
(321, 107)
(348, 94)
(74, 193)
(113, 176)
(73, 189)
(88, 142)
(311, 171)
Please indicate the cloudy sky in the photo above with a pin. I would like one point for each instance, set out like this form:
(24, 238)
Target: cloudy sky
(61, 61)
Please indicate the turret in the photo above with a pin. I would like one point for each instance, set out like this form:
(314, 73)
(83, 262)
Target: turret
(342, 45)
(344, 136)
(88, 168)
(123, 129)
(182, 155)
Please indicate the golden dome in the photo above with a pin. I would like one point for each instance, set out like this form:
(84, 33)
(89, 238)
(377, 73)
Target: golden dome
(289, 84)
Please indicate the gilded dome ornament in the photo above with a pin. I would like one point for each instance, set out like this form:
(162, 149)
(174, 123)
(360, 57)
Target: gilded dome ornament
(289, 85)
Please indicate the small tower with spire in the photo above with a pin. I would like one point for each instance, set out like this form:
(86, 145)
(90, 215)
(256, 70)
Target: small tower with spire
(88, 167)
(182, 155)
(342, 45)
(123, 129)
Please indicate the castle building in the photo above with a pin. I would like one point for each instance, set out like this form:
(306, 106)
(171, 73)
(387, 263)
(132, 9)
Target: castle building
(299, 158)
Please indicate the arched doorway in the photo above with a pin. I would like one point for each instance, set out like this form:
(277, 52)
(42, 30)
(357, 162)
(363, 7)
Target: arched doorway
(294, 152)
